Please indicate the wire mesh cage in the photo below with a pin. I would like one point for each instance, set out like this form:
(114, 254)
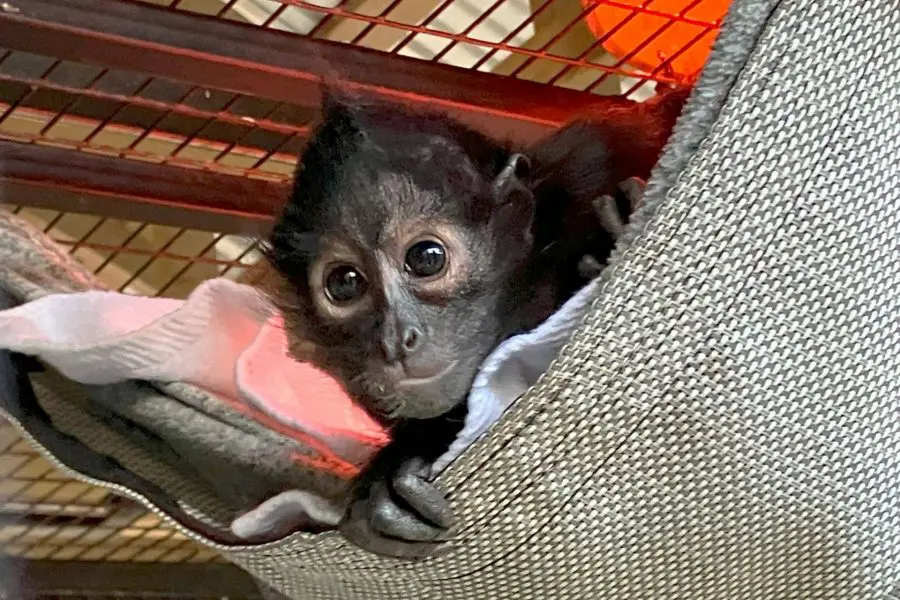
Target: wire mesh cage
(155, 142)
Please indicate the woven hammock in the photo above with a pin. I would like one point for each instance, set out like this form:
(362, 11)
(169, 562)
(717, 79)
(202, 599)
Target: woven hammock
(723, 424)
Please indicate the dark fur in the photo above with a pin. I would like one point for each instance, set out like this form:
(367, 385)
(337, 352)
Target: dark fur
(587, 159)
(337, 189)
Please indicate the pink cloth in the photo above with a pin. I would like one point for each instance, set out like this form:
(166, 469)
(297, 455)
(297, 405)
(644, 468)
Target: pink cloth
(225, 338)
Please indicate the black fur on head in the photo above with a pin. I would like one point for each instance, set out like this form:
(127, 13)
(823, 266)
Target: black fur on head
(406, 237)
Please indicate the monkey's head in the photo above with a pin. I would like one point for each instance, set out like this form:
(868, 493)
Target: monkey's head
(405, 238)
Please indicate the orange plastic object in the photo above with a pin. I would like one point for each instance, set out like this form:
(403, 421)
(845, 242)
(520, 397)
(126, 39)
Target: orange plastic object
(649, 38)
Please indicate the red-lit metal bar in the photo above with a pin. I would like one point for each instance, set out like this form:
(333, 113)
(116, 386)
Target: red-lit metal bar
(469, 29)
(239, 260)
(197, 259)
(88, 234)
(114, 511)
(123, 248)
(238, 142)
(69, 104)
(536, 12)
(222, 116)
(52, 578)
(151, 259)
(31, 92)
(434, 14)
(455, 37)
(100, 126)
(274, 16)
(678, 17)
(319, 27)
(544, 51)
(666, 64)
(222, 54)
(138, 155)
(73, 181)
(600, 40)
(225, 8)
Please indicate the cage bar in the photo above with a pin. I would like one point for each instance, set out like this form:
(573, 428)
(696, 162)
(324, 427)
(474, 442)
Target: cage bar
(210, 52)
(62, 180)
(121, 579)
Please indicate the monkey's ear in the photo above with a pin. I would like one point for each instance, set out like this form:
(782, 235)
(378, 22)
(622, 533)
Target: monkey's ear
(514, 204)
(509, 185)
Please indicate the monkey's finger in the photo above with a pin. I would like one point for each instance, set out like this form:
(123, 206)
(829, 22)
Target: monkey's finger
(634, 188)
(390, 520)
(423, 497)
(608, 213)
(357, 529)
(589, 267)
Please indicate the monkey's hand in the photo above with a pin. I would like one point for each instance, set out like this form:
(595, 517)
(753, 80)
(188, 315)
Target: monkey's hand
(629, 195)
(397, 512)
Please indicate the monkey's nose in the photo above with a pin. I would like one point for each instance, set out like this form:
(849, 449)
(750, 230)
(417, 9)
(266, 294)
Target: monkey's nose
(412, 339)
(397, 347)
(389, 349)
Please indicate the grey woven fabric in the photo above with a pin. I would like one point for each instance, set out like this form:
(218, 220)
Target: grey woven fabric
(724, 423)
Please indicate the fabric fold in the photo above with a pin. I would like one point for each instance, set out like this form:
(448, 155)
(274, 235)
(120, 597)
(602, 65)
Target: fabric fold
(228, 340)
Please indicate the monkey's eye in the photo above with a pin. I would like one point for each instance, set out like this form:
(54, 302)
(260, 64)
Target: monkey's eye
(344, 284)
(426, 258)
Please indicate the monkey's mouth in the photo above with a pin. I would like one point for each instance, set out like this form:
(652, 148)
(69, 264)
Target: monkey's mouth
(428, 394)
(411, 383)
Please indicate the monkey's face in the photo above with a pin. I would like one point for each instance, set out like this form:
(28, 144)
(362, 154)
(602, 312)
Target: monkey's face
(401, 248)
(405, 307)
(403, 297)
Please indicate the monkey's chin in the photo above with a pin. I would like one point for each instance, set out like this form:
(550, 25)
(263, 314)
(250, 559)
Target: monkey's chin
(420, 408)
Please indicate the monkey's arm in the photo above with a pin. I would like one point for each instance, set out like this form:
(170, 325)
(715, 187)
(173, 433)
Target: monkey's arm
(396, 511)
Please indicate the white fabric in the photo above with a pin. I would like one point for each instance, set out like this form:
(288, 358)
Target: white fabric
(218, 339)
(512, 368)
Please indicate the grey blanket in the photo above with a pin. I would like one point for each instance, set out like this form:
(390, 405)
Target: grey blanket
(723, 423)
(174, 444)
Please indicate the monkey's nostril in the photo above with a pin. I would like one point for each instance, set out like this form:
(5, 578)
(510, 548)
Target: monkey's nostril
(411, 339)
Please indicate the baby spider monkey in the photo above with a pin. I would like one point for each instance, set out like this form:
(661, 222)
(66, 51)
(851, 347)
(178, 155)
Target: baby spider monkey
(413, 245)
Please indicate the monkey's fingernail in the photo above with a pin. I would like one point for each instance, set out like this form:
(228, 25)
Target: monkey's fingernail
(633, 188)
